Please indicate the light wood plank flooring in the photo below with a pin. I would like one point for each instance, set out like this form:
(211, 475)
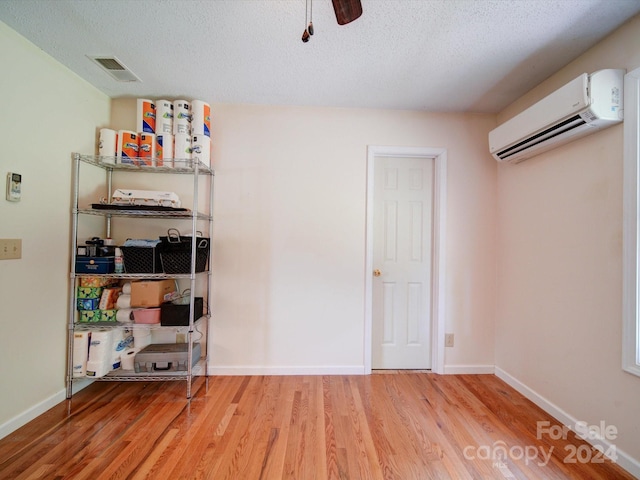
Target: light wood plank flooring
(404, 425)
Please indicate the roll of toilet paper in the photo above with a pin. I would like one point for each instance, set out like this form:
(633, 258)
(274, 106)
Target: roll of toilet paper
(164, 117)
(107, 145)
(124, 315)
(80, 352)
(127, 358)
(126, 288)
(200, 118)
(124, 301)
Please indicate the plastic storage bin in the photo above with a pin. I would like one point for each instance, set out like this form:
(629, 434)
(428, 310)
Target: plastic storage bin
(141, 259)
(175, 253)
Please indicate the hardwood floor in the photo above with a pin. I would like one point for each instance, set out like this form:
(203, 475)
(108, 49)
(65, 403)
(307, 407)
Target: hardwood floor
(395, 426)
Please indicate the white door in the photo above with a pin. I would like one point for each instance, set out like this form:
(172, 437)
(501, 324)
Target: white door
(402, 256)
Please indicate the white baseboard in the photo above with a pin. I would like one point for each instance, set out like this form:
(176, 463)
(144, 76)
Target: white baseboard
(335, 370)
(25, 417)
(468, 369)
(33, 412)
(286, 370)
(625, 460)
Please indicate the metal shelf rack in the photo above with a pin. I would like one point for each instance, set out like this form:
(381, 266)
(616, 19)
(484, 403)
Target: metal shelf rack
(110, 164)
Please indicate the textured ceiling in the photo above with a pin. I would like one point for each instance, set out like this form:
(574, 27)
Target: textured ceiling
(436, 55)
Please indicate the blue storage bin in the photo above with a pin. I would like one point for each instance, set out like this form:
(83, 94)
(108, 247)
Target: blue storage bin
(95, 265)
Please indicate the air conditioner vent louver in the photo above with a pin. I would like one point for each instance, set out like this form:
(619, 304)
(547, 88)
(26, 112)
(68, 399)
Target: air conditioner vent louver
(115, 68)
(583, 106)
(110, 63)
(543, 136)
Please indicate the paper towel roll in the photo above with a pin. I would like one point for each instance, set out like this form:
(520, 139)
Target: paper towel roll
(201, 149)
(124, 315)
(146, 116)
(147, 152)
(117, 346)
(100, 352)
(124, 301)
(127, 150)
(80, 352)
(200, 118)
(100, 344)
(141, 337)
(127, 358)
(107, 145)
(164, 117)
(97, 369)
(126, 288)
(182, 142)
(181, 117)
(164, 150)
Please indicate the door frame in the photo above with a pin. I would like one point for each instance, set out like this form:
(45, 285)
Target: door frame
(439, 155)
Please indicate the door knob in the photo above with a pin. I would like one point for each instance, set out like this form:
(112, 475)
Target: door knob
(377, 273)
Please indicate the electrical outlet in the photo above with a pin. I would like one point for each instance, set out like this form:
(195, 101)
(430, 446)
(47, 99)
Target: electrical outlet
(181, 338)
(10, 248)
(448, 340)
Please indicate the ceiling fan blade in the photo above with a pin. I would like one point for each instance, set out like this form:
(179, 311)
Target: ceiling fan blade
(347, 10)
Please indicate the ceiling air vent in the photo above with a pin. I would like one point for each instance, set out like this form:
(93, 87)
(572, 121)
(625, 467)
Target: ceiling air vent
(115, 68)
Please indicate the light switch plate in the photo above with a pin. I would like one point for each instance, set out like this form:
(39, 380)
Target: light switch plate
(10, 248)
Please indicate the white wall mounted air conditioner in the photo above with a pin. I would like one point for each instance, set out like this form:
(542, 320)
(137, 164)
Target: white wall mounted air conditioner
(581, 107)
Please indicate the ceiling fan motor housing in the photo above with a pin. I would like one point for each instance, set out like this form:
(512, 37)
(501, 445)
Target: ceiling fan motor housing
(347, 10)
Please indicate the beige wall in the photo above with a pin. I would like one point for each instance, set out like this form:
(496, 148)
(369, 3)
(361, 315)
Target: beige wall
(289, 252)
(48, 113)
(289, 233)
(558, 327)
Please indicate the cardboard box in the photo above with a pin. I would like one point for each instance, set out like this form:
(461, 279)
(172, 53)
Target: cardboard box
(89, 292)
(97, 281)
(88, 303)
(151, 293)
(90, 316)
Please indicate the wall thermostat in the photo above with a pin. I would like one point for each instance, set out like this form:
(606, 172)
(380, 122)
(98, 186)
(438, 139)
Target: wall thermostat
(14, 186)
